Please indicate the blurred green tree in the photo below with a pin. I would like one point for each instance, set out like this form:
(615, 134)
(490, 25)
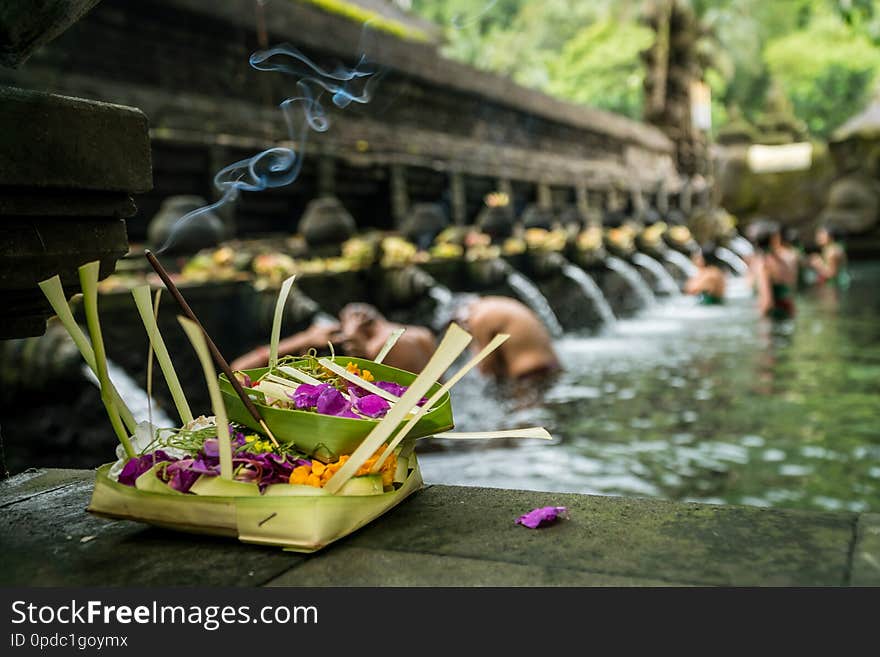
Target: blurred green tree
(825, 54)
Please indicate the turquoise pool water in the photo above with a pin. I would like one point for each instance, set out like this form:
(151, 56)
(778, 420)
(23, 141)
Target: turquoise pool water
(687, 402)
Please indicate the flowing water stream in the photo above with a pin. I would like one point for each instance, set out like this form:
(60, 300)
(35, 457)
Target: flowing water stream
(531, 295)
(592, 291)
(664, 278)
(681, 261)
(738, 264)
(632, 276)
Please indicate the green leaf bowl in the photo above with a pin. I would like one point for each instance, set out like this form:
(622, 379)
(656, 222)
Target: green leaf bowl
(327, 437)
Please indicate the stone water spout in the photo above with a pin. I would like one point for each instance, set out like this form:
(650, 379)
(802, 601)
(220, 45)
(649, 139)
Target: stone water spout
(299, 310)
(551, 264)
(407, 285)
(736, 263)
(592, 291)
(680, 260)
(529, 293)
(665, 281)
(631, 275)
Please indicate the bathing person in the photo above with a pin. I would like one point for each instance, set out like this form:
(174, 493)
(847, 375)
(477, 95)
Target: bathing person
(830, 263)
(775, 272)
(528, 351)
(315, 337)
(365, 331)
(794, 250)
(361, 332)
(708, 282)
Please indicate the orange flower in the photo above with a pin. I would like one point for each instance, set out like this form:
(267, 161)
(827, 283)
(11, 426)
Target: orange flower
(318, 474)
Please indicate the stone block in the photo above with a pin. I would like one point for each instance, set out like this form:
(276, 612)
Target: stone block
(68, 168)
(25, 25)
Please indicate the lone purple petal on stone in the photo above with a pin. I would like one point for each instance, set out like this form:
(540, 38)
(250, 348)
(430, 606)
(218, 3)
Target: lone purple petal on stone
(544, 515)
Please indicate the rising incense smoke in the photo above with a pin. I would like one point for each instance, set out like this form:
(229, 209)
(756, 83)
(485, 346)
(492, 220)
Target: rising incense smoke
(280, 166)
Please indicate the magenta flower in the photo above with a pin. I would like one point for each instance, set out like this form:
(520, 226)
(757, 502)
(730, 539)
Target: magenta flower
(306, 395)
(137, 466)
(180, 475)
(544, 515)
(397, 390)
(394, 388)
(332, 402)
(372, 405)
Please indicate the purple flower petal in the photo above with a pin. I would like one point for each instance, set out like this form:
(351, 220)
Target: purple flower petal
(394, 388)
(397, 390)
(137, 466)
(332, 402)
(544, 515)
(356, 391)
(211, 448)
(372, 406)
(181, 476)
(307, 395)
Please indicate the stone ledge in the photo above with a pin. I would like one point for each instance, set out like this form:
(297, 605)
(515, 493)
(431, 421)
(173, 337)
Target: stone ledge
(72, 143)
(446, 536)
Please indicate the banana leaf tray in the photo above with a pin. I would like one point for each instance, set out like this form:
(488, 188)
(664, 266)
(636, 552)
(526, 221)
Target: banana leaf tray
(327, 437)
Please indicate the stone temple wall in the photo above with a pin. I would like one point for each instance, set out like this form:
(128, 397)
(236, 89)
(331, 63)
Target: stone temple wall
(435, 130)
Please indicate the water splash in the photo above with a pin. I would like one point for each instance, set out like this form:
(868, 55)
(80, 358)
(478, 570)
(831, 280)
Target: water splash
(280, 166)
(592, 291)
(631, 275)
(664, 278)
(529, 292)
(681, 261)
(738, 264)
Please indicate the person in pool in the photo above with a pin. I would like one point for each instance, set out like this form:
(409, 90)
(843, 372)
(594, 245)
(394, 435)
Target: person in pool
(529, 350)
(365, 331)
(361, 332)
(775, 273)
(709, 281)
(830, 263)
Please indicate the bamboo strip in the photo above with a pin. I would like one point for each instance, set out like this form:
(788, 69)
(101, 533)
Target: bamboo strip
(300, 376)
(141, 296)
(453, 343)
(389, 343)
(55, 294)
(354, 378)
(527, 432)
(276, 320)
(197, 338)
(88, 279)
(496, 342)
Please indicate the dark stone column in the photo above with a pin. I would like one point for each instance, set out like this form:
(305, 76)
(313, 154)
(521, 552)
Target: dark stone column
(459, 199)
(67, 173)
(399, 194)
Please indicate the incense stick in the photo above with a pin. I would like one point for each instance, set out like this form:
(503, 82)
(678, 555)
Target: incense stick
(215, 353)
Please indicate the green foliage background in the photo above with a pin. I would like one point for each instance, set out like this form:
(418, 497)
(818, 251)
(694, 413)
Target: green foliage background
(824, 55)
